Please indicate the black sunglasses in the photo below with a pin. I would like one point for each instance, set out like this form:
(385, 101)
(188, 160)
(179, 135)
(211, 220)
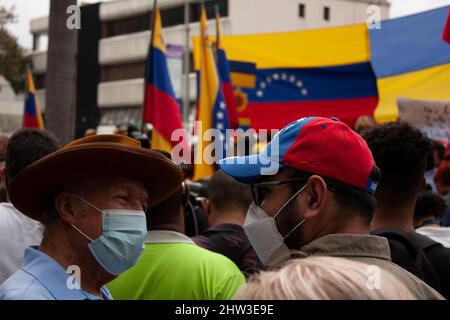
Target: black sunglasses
(262, 190)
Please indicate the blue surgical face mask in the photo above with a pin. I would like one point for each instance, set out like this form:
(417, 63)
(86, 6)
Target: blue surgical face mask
(122, 240)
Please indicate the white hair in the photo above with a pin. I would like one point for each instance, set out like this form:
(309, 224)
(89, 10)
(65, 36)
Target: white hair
(324, 278)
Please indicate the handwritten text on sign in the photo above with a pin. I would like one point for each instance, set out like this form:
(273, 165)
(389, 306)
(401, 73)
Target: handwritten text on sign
(430, 117)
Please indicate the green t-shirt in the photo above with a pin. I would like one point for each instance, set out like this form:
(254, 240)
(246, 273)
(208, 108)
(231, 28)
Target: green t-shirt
(178, 271)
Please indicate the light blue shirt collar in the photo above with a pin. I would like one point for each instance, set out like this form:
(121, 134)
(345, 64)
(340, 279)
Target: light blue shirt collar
(54, 278)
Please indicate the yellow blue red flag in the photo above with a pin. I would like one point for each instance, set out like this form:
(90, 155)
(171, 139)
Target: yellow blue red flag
(211, 110)
(324, 72)
(32, 117)
(410, 60)
(345, 72)
(160, 106)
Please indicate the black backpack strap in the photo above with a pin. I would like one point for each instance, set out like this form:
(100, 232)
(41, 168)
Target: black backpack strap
(425, 243)
(418, 262)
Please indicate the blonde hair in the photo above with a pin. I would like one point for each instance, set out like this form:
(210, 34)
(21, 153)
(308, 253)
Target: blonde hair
(324, 278)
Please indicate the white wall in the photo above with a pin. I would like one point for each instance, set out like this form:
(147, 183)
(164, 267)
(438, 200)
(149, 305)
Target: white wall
(130, 93)
(134, 47)
(262, 16)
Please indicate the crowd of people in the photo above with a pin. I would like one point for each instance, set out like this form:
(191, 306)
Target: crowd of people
(322, 212)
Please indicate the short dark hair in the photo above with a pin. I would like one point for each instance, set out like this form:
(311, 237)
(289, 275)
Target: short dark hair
(400, 151)
(167, 210)
(27, 146)
(430, 204)
(225, 193)
(351, 201)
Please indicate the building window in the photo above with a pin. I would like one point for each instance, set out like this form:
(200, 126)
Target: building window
(210, 9)
(122, 72)
(172, 16)
(39, 81)
(301, 10)
(127, 25)
(326, 13)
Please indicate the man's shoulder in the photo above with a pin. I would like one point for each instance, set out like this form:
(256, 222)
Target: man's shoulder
(7, 207)
(7, 211)
(418, 288)
(23, 286)
(9, 214)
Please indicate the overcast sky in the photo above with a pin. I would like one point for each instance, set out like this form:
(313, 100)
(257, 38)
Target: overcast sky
(29, 9)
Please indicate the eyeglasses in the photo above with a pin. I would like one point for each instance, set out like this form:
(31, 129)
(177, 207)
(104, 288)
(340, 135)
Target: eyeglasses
(262, 190)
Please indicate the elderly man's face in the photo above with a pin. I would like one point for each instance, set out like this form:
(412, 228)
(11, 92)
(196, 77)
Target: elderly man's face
(106, 193)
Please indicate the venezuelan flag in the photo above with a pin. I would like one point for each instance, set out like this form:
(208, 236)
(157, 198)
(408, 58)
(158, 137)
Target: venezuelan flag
(410, 60)
(212, 110)
(224, 74)
(243, 74)
(324, 72)
(160, 107)
(32, 117)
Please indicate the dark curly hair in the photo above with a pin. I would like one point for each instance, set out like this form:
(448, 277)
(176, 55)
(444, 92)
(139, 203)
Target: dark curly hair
(430, 204)
(400, 151)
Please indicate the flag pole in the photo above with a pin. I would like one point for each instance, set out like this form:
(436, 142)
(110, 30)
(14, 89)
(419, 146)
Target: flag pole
(186, 95)
(216, 10)
(25, 96)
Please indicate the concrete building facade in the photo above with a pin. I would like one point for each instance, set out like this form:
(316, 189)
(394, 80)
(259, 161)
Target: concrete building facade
(125, 38)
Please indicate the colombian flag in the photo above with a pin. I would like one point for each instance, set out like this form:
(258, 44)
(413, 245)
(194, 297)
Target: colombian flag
(32, 117)
(225, 79)
(212, 110)
(160, 106)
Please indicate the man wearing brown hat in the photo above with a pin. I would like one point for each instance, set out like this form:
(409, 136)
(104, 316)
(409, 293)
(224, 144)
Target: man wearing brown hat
(91, 196)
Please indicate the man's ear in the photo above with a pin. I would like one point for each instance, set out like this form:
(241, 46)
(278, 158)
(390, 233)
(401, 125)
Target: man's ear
(206, 206)
(64, 205)
(316, 192)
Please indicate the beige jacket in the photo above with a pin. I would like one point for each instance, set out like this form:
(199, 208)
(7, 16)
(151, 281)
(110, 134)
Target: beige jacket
(372, 250)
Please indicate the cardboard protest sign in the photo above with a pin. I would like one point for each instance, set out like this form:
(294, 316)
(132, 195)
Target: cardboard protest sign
(430, 117)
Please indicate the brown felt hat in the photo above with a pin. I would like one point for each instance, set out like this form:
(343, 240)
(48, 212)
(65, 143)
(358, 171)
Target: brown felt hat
(33, 189)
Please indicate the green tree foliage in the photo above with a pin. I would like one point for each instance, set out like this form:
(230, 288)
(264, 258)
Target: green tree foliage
(12, 60)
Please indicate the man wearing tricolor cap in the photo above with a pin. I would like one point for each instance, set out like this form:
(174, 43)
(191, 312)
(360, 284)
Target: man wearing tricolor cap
(313, 190)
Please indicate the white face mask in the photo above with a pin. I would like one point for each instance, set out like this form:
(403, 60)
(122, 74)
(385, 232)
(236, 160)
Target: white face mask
(264, 236)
